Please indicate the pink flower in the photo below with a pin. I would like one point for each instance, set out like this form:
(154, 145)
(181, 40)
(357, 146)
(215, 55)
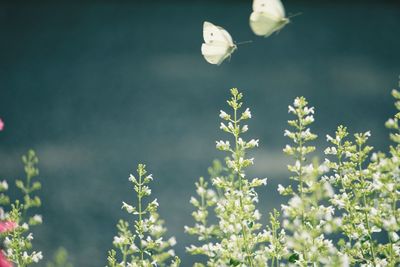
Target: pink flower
(3, 261)
(7, 226)
(1, 128)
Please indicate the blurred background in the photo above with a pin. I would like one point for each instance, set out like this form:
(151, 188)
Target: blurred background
(97, 87)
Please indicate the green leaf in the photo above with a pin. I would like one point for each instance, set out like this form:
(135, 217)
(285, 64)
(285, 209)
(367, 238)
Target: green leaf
(234, 262)
(293, 258)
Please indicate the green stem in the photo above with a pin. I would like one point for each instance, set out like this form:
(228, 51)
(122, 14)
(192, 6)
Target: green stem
(340, 171)
(364, 199)
(301, 180)
(204, 209)
(275, 235)
(140, 230)
(124, 254)
(27, 191)
(301, 160)
(250, 260)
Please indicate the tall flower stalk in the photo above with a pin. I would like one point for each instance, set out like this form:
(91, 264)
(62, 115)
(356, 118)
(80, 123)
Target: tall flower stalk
(145, 246)
(237, 239)
(355, 197)
(306, 218)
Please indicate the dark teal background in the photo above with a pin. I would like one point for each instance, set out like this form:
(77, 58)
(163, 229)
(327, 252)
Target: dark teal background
(97, 87)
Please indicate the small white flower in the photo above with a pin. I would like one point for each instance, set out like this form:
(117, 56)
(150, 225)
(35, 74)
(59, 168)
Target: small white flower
(132, 179)
(309, 119)
(257, 215)
(128, 208)
(171, 252)
(329, 138)
(231, 127)
(224, 115)
(375, 229)
(133, 247)
(119, 240)
(30, 236)
(7, 241)
(295, 202)
(281, 189)
(224, 127)
(25, 256)
(390, 123)
(155, 203)
(390, 223)
(252, 143)
(37, 256)
(394, 236)
(328, 189)
(345, 260)
(172, 241)
(330, 151)
(291, 109)
(221, 145)
(246, 114)
(241, 142)
(146, 190)
(338, 201)
(4, 185)
(200, 191)
(308, 110)
(296, 102)
(37, 218)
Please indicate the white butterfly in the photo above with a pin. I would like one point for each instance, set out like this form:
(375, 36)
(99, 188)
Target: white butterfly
(268, 17)
(218, 44)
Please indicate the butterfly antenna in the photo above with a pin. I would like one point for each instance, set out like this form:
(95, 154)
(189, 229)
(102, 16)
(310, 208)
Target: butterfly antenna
(244, 42)
(295, 15)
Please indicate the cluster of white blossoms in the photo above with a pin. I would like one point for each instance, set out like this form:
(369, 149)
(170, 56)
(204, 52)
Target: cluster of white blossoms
(363, 192)
(342, 212)
(338, 212)
(306, 218)
(237, 239)
(366, 196)
(145, 246)
(18, 238)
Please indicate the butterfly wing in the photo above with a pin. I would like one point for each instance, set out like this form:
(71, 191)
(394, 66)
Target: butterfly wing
(214, 53)
(272, 7)
(215, 34)
(263, 25)
(268, 17)
(227, 36)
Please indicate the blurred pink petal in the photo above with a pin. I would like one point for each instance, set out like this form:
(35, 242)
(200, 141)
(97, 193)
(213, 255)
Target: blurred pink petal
(7, 226)
(3, 261)
(1, 128)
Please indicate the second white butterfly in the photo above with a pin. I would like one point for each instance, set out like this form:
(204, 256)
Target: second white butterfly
(268, 17)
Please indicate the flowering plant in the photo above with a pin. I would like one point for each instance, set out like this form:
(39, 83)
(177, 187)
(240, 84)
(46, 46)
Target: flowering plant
(336, 213)
(145, 246)
(341, 211)
(17, 221)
